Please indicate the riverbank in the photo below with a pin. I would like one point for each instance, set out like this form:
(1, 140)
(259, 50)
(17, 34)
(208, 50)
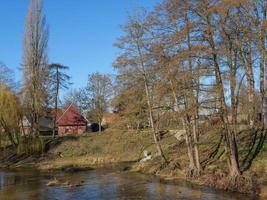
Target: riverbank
(104, 184)
(112, 147)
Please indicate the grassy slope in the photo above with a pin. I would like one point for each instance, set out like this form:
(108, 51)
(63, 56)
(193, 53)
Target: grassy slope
(114, 146)
(110, 146)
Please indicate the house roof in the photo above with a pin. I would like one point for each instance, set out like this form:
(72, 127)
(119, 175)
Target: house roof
(71, 117)
(45, 123)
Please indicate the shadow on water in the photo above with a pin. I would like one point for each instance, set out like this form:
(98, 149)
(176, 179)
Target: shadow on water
(101, 184)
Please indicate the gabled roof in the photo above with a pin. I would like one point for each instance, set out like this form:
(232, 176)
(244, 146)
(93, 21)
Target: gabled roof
(71, 117)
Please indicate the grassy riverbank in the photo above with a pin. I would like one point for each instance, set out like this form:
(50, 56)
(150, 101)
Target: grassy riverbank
(114, 146)
(109, 147)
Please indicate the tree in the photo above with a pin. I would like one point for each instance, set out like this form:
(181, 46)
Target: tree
(10, 115)
(99, 90)
(209, 22)
(198, 58)
(176, 67)
(136, 58)
(35, 67)
(57, 80)
(260, 9)
(9, 106)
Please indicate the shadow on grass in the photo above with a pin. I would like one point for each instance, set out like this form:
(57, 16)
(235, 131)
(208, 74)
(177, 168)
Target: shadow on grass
(57, 141)
(254, 148)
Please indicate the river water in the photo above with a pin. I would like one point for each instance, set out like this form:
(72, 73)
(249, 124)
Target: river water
(101, 184)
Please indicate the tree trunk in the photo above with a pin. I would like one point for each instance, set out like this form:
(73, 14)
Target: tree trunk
(56, 103)
(230, 142)
(151, 120)
(247, 62)
(8, 132)
(251, 99)
(99, 126)
(265, 99)
(190, 151)
(263, 66)
(193, 98)
(195, 144)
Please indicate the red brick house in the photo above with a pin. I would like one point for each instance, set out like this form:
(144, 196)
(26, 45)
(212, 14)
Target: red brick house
(71, 122)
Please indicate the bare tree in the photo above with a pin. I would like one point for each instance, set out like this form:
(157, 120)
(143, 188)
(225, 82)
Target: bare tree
(260, 12)
(137, 58)
(199, 59)
(35, 67)
(98, 91)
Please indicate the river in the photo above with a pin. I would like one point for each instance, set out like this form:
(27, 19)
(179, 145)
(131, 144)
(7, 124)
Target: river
(101, 184)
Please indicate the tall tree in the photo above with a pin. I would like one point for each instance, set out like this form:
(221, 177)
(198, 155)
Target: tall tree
(176, 54)
(260, 12)
(35, 67)
(136, 58)
(57, 80)
(209, 15)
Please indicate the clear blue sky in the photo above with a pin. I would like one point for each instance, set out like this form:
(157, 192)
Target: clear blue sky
(82, 33)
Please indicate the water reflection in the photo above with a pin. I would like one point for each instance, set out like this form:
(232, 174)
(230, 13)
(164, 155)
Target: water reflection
(100, 184)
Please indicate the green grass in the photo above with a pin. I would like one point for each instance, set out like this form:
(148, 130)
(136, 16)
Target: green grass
(111, 143)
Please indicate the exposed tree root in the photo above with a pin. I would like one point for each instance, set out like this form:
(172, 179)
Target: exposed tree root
(193, 173)
(164, 163)
(241, 184)
(236, 183)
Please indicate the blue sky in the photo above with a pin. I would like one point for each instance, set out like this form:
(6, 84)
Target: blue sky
(82, 33)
